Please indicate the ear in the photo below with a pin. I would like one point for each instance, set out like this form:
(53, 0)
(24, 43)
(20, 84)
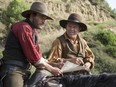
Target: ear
(31, 17)
(79, 29)
(33, 14)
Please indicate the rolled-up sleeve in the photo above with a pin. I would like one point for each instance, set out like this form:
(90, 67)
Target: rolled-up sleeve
(24, 36)
(89, 56)
(56, 52)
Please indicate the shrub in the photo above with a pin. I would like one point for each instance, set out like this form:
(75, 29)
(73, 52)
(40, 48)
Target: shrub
(13, 12)
(106, 37)
(111, 50)
(103, 62)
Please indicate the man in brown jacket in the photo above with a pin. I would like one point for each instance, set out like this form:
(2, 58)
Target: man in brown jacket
(70, 46)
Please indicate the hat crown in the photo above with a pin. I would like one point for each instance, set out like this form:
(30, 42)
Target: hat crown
(39, 7)
(75, 17)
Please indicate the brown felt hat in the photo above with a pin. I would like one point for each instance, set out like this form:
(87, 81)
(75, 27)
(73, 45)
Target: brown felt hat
(37, 7)
(76, 18)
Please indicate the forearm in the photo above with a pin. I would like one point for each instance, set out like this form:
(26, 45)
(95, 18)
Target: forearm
(48, 67)
(45, 64)
(41, 64)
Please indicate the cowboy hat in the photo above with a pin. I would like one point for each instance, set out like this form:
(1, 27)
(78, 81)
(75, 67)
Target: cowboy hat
(37, 7)
(76, 19)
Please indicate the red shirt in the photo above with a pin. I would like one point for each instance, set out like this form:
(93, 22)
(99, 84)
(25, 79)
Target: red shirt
(23, 32)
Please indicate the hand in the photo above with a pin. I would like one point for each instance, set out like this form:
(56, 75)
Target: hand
(58, 65)
(87, 66)
(56, 71)
(77, 61)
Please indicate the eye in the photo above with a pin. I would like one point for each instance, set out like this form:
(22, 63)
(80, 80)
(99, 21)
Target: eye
(44, 17)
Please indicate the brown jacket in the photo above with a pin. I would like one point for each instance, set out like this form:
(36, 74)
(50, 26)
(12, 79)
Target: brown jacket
(63, 48)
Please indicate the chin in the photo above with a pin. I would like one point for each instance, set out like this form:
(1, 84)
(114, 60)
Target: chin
(39, 27)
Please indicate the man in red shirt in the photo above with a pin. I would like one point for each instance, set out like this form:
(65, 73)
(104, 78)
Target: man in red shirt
(22, 48)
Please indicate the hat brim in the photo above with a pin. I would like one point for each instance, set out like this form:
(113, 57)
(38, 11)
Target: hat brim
(28, 12)
(83, 26)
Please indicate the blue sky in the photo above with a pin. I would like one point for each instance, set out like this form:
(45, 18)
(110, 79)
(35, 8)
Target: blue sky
(112, 3)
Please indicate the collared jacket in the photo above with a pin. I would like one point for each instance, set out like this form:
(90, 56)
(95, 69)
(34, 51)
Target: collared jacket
(63, 48)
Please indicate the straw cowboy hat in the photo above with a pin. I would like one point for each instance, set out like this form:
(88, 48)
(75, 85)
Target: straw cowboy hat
(37, 7)
(76, 19)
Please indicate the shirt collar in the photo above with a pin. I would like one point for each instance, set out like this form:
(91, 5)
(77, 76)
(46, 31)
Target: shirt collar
(30, 23)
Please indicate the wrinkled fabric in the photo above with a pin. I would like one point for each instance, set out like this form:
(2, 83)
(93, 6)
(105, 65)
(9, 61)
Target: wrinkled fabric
(12, 76)
(57, 50)
(22, 47)
(23, 32)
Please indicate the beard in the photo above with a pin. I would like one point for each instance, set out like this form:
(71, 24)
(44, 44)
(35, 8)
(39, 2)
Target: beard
(37, 25)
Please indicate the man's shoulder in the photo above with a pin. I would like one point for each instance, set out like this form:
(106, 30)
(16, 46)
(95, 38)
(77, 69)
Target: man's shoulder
(82, 39)
(21, 25)
(62, 37)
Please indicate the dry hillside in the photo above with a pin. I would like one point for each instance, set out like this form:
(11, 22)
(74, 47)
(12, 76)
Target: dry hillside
(60, 9)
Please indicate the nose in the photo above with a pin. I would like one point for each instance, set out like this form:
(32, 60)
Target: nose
(43, 21)
(72, 28)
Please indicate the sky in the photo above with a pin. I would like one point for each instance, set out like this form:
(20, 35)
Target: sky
(112, 3)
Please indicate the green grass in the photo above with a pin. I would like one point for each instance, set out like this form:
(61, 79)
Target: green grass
(103, 62)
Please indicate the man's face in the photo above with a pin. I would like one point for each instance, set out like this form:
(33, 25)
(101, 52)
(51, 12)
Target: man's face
(39, 20)
(72, 29)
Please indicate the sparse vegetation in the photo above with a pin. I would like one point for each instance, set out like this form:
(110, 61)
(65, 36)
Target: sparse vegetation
(104, 5)
(106, 37)
(13, 13)
(100, 37)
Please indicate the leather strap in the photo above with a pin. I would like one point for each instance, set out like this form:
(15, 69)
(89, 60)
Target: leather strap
(18, 63)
